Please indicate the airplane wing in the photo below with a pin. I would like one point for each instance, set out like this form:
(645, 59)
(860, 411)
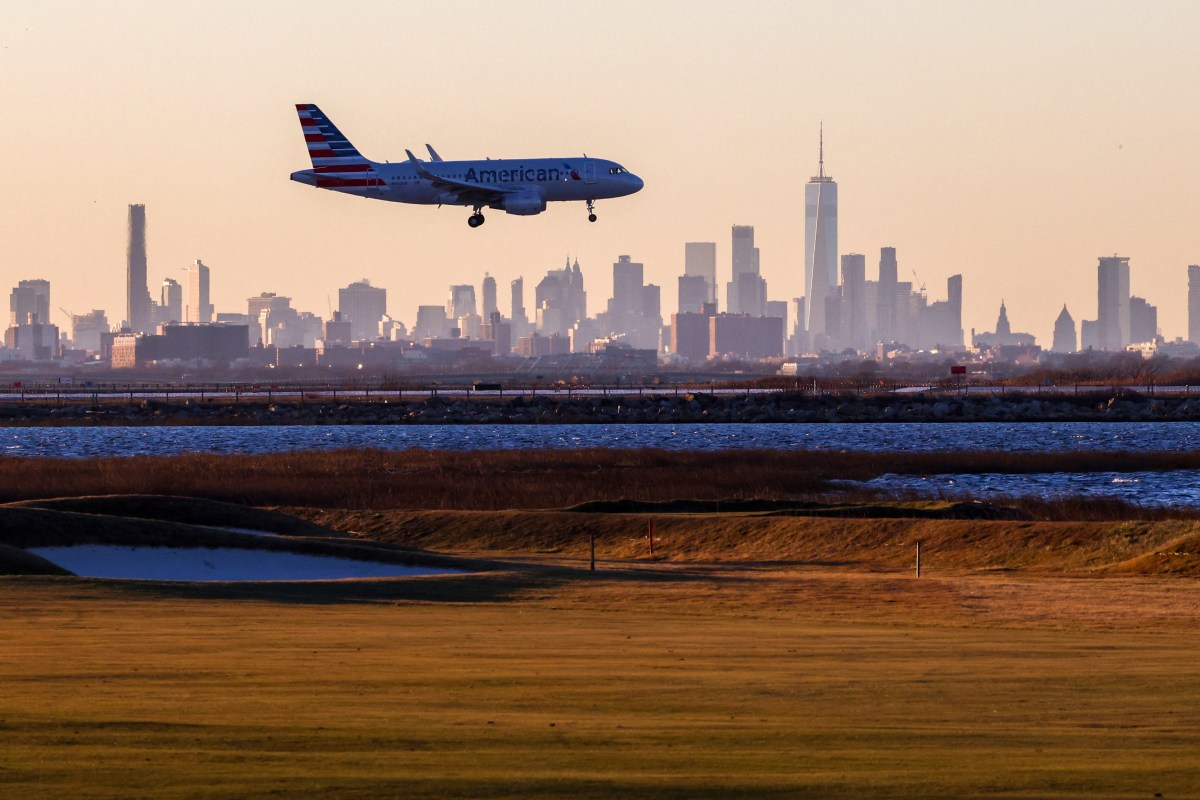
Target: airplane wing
(467, 192)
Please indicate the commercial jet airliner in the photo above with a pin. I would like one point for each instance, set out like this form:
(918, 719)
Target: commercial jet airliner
(516, 186)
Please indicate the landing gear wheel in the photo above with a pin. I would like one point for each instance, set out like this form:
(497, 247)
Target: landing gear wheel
(591, 210)
(475, 220)
(591, 217)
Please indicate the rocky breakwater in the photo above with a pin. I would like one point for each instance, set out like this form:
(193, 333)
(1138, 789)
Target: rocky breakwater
(631, 408)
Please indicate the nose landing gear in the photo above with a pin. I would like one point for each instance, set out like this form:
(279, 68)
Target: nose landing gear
(476, 219)
(591, 210)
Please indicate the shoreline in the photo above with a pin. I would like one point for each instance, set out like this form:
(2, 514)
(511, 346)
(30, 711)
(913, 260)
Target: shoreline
(787, 407)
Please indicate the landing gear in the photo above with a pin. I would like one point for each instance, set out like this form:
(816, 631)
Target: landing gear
(476, 219)
(591, 210)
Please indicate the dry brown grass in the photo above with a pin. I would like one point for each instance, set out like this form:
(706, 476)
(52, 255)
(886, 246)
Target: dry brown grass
(493, 480)
(754, 656)
(949, 546)
(712, 684)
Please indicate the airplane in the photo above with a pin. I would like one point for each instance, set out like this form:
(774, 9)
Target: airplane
(519, 186)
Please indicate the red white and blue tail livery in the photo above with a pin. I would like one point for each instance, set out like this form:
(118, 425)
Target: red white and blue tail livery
(520, 186)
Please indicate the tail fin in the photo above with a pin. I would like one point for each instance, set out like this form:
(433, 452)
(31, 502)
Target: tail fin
(337, 164)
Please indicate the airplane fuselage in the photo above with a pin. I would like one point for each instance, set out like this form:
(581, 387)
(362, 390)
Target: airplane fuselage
(552, 179)
(520, 186)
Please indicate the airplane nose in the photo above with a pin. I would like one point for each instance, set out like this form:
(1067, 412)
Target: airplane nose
(637, 183)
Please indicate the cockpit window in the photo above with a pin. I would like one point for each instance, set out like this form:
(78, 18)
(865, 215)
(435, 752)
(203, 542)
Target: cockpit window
(616, 170)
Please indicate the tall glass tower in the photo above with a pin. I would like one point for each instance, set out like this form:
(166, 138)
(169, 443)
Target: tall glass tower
(199, 308)
(1112, 312)
(820, 245)
(137, 292)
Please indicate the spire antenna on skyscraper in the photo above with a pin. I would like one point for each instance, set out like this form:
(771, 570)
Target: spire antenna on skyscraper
(821, 157)
(820, 246)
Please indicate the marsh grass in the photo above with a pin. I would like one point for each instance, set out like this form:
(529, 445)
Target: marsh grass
(499, 479)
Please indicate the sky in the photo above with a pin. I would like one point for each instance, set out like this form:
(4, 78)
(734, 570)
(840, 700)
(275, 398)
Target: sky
(1012, 142)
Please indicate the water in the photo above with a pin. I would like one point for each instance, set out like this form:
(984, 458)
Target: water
(78, 442)
(218, 564)
(1169, 489)
(1180, 488)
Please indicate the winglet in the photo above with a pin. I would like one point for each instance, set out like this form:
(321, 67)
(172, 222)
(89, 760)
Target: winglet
(419, 167)
(433, 154)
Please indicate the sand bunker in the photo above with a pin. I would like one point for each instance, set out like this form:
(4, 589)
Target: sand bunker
(218, 564)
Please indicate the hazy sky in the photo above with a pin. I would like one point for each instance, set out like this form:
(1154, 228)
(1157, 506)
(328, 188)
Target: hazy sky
(1014, 142)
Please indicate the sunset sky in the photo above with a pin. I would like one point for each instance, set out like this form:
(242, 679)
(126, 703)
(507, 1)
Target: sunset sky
(1014, 142)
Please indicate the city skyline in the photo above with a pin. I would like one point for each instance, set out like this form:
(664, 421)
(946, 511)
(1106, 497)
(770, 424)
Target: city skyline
(881, 319)
(1016, 173)
(861, 313)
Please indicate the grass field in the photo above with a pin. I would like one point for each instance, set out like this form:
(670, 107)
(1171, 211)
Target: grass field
(715, 682)
(752, 656)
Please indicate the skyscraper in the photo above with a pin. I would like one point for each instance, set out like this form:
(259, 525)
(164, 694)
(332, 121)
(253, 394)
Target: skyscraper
(798, 342)
(170, 304)
(820, 244)
(652, 301)
(886, 302)
(627, 287)
(29, 302)
(693, 294)
(489, 296)
(635, 308)
(1194, 303)
(939, 325)
(1143, 321)
(87, 330)
(1089, 335)
(1065, 340)
(745, 259)
(520, 322)
(517, 290)
(273, 321)
(431, 323)
(198, 307)
(854, 330)
(700, 259)
(461, 301)
(1112, 308)
(137, 294)
(364, 306)
(560, 299)
(751, 292)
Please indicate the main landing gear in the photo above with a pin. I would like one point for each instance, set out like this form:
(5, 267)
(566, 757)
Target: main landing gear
(476, 219)
(591, 210)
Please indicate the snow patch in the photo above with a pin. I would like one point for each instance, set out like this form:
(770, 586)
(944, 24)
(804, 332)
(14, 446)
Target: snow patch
(218, 564)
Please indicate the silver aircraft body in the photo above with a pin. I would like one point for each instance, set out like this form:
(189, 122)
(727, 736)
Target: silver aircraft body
(521, 186)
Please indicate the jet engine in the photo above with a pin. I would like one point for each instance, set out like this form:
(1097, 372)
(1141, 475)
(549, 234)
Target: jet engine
(525, 203)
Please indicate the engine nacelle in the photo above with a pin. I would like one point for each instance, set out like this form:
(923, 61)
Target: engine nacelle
(525, 203)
